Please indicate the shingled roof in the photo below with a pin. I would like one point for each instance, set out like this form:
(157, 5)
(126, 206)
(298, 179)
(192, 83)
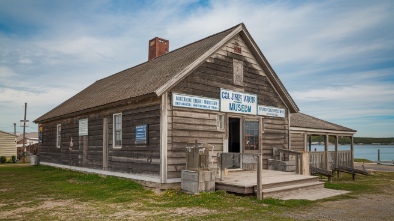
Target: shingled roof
(305, 121)
(156, 76)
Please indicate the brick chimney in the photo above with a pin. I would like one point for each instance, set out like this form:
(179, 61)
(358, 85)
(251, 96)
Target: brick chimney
(157, 47)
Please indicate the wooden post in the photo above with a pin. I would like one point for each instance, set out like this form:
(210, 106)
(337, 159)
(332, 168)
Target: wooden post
(105, 143)
(259, 192)
(326, 151)
(378, 156)
(336, 151)
(219, 159)
(305, 142)
(352, 149)
(163, 137)
(310, 143)
(23, 141)
(85, 150)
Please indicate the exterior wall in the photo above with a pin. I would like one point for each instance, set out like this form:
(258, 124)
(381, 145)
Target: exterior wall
(7, 145)
(187, 125)
(130, 158)
(298, 141)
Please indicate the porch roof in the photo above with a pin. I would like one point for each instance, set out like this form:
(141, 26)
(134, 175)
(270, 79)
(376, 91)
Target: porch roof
(300, 121)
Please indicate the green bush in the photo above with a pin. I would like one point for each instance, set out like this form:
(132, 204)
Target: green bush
(3, 159)
(13, 159)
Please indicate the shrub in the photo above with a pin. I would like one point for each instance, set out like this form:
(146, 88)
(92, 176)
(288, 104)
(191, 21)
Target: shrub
(3, 159)
(13, 159)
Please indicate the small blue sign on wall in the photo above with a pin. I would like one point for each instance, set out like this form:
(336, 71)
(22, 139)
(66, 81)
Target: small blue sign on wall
(141, 134)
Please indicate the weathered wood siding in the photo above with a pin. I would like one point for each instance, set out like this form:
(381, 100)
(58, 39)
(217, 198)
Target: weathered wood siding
(130, 158)
(189, 125)
(7, 145)
(297, 141)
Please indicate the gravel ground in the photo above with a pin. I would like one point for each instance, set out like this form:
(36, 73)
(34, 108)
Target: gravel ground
(365, 207)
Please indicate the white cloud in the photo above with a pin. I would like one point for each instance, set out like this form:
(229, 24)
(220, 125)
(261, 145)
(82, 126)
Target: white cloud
(6, 72)
(373, 93)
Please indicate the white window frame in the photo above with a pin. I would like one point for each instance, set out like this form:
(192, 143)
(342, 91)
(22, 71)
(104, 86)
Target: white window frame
(220, 122)
(114, 131)
(58, 135)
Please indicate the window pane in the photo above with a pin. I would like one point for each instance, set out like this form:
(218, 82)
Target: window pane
(251, 135)
(118, 130)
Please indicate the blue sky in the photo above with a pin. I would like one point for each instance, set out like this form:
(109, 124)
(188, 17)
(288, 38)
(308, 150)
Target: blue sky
(336, 58)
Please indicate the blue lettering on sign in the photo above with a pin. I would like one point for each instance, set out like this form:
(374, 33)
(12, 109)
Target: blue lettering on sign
(225, 95)
(240, 107)
(249, 99)
(190, 101)
(237, 97)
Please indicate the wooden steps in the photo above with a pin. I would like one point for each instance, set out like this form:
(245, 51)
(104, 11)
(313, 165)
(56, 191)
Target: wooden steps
(290, 188)
(276, 184)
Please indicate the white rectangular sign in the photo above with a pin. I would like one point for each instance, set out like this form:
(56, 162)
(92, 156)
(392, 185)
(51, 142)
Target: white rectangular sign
(271, 111)
(190, 101)
(238, 102)
(83, 127)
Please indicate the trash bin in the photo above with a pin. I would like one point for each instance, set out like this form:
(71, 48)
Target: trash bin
(34, 160)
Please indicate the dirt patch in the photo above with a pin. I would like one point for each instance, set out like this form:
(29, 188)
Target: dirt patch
(193, 211)
(366, 207)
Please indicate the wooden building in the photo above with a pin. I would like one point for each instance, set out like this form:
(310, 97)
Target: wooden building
(7, 144)
(219, 90)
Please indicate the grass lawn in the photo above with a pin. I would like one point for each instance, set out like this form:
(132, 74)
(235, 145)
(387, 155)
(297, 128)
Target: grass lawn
(48, 193)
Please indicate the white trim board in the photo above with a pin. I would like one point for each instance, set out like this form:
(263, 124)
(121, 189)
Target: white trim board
(111, 173)
(300, 129)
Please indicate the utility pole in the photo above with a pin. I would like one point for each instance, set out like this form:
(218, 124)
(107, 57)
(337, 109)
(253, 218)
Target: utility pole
(24, 128)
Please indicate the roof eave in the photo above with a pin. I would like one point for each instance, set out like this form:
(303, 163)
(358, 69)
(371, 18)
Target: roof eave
(97, 108)
(323, 131)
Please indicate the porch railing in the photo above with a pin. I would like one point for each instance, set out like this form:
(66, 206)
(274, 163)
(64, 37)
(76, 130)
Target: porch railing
(291, 156)
(246, 161)
(318, 159)
(237, 160)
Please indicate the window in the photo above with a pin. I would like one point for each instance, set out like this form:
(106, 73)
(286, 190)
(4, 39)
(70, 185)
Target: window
(117, 124)
(251, 135)
(220, 122)
(58, 135)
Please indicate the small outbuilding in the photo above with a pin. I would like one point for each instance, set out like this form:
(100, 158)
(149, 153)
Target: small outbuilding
(7, 144)
(219, 91)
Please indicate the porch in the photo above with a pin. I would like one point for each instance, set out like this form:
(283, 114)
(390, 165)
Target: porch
(276, 184)
(252, 179)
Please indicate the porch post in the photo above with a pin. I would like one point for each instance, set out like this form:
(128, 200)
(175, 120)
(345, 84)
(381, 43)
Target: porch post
(259, 191)
(326, 151)
(352, 149)
(336, 151)
(305, 142)
(310, 143)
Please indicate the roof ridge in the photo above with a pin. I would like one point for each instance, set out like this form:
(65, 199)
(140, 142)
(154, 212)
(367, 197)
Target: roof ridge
(198, 41)
(163, 55)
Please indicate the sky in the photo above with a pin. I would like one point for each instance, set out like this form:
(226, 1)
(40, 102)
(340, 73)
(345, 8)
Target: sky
(336, 58)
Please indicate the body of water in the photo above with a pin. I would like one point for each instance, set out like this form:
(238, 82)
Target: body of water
(369, 152)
